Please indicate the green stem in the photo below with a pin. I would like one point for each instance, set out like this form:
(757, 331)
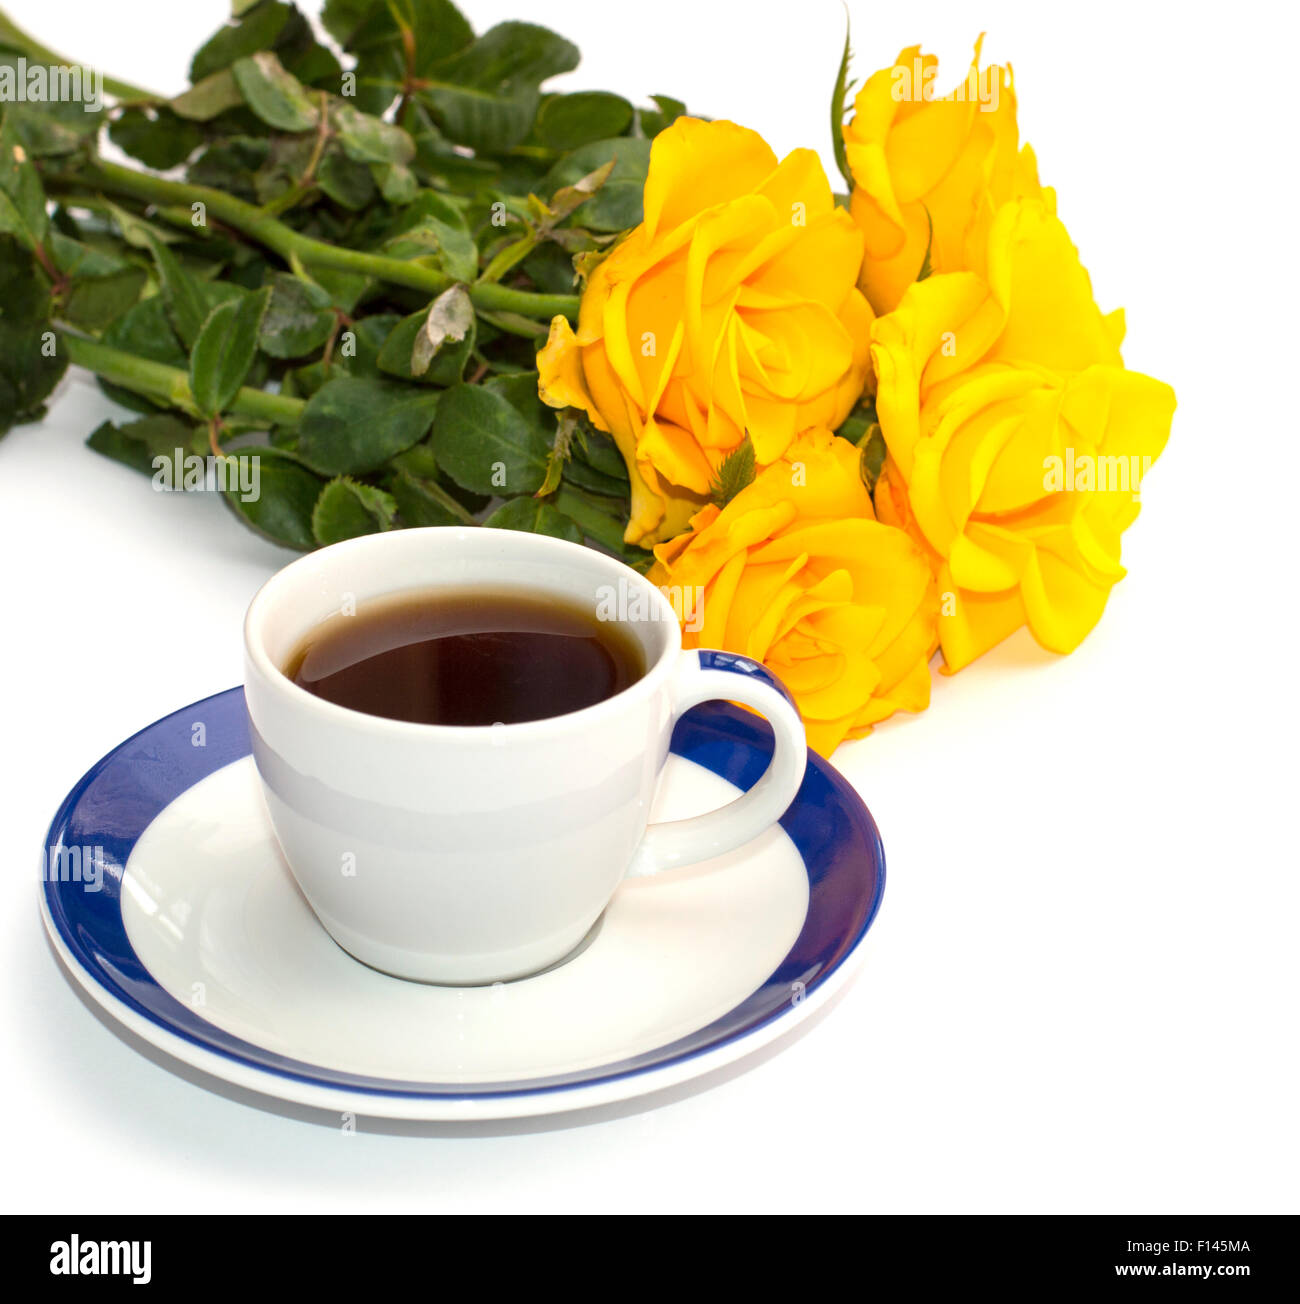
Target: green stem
(171, 384)
(515, 324)
(438, 493)
(13, 36)
(509, 257)
(285, 241)
(288, 199)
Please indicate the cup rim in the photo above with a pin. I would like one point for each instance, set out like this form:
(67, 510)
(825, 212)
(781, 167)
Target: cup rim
(265, 599)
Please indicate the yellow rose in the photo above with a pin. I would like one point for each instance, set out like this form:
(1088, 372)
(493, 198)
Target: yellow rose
(795, 572)
(732, 308)
(1017, 440)
(920, 161)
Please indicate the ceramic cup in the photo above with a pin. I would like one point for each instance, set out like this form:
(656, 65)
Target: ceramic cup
(452, 854)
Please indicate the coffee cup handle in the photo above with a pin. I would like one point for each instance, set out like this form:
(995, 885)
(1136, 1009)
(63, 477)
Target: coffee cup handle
(705, 676)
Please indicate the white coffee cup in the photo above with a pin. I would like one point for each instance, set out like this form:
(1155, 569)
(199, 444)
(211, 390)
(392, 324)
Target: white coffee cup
(454, 854)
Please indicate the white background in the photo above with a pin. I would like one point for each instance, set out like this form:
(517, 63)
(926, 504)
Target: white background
(1080, 993)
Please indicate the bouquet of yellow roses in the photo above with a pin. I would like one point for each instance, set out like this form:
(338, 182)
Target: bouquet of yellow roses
(865, 431)
(845, 431)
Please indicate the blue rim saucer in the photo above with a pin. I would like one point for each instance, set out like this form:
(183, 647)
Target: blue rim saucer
(115, 802)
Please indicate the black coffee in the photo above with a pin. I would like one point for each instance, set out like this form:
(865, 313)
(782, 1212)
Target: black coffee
(466, 659)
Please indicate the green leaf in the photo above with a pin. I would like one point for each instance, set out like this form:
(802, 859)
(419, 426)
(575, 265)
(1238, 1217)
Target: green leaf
(568, 199)
(420, 503)
(380, 76)
(734, 474)
(311, 62)
(580, 473)
(24, 288)
(209, 97)
(146, 330)
(431, 227)
(617, 205)
(345, 20)
(352, 424)
(567, 434)
(457, 170)
(857, 425)
(224, 351)
(437, 27)
(653, 123)
(346, 182)
(285, 497)
(138, 444)
(57, 124)
(397, 183)
(522, 53)
(158, 137)
(926, 266)
(45, 134)
(31, 362)
(256, 30)
(485, 121)
(360, 344)
(872, 461)
(520, 391)
(399, 346)
(535, 517)
(603, 520)
(48, 129)
(450, 320)
(567, 121)
(135, 231)
(187, 306)
(101, 285)
(232, 164)
(22, 197)
(346, 509)
(299, 317)
(839, 107)
(96, 301)
(286, 161)
(485, 445)
(486, 96)
(367, 139)
(356, 354)
(274, 94)
(417, 461)
(601, 453)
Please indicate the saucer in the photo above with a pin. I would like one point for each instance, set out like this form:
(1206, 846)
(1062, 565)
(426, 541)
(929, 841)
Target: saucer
(166, 896)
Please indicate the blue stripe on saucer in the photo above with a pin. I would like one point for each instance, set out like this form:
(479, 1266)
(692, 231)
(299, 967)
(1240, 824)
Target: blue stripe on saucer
(115, 801)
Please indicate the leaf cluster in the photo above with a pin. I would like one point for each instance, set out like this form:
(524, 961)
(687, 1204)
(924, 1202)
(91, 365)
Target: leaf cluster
(335, 256)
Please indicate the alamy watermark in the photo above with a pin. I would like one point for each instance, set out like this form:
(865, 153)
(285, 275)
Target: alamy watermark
(84, 865)
(1089, 473)
(916, 84)
(77, 1258)
(179, 470)
(42, 83)
(627, 604)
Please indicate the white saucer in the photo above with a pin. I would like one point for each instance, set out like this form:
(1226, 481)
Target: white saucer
(198, 939)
